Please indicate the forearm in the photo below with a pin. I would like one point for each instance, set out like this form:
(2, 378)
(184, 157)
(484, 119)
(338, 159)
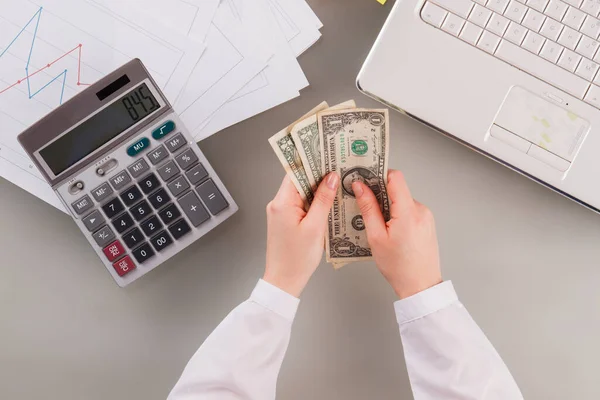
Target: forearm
(241, 359)
(447, 354)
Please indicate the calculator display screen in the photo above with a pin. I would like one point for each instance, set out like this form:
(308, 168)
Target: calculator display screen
(98, 130)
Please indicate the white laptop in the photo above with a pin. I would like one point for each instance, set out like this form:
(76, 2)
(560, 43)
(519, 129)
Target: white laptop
(515, 80)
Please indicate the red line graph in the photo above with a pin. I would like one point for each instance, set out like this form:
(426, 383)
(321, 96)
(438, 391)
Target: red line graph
(78, 48)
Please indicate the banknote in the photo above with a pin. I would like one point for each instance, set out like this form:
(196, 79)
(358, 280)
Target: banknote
(307, 141)
(285, 149)
(355, 144)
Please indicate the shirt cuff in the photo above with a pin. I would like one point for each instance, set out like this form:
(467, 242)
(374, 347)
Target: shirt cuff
(275, 299)
(426, 302)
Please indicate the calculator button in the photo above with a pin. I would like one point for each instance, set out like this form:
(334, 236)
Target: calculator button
(138, 147)
(131, 195)
(193, 208)
(175, 143)
(104, 236)
(120, 180)
(159, 198)
(124, 266)
(161, 241)
(123, 222)
(168, 171)
(141, 210)
(93, 221)
(169, 213)
(114, 250)
(138, 168)
(82, 205)
(102, 192)
(151, 225)
(197, 174)
(157, 155)
(179, 229)
(133, 238)
(143, 253)
(178, 186)
(212, 197)
(186, 159)
(113, 207)
(149, 183)
(163, 130)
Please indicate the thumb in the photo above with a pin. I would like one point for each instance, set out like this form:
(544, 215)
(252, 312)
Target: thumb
(369, 208)
(324, 197)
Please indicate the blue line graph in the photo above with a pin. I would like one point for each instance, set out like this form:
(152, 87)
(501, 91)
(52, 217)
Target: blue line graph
(36, 17)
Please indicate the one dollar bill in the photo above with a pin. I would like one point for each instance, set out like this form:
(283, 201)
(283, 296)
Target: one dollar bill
(355, 144)
(287, 153)
(305, 135)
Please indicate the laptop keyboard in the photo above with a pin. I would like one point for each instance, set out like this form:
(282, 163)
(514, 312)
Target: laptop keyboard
(553, 40)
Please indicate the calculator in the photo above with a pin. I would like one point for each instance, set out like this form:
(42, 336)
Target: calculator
(129, 173)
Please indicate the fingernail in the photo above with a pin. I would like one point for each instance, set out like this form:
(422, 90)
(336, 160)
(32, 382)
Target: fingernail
(358, 189)
(333, 181)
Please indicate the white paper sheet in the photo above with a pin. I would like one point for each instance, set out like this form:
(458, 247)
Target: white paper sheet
(233, 57)
(299, 24)
(66, 45)
(278, 83)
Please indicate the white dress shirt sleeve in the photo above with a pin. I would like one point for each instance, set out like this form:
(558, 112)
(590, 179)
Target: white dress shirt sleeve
(447, 354)
(242, 357)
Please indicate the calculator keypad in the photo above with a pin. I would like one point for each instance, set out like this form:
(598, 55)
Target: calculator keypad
(113, 207)
(141, 210)
(138, 168)
(114, 250)
(104, 236)
(123, 222)
(143, 253)
(169, 214)
(149, 183)
(157, 155)
(131, 196)
(161, 241)
(178, 186)
(193, 208)
(160, 196)
(82, 205)
(120, 180)
(93, 221)
(102, 192)
(133, 238)
(186, 159)
(179, 229)
(168, 171)
(151, 225)
(175, 143)
(124, 266)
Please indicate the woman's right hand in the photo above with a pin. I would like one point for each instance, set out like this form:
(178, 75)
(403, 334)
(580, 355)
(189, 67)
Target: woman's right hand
(405, 248)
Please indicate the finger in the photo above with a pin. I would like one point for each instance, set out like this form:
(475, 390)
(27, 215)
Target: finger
(399, 194)
(369, 208)
(288, 194)
(319, 209)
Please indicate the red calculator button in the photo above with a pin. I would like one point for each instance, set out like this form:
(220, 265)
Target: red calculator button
(114, 250)
(124, 266)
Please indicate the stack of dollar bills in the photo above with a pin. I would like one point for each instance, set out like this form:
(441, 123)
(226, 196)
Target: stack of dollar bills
(352, 142)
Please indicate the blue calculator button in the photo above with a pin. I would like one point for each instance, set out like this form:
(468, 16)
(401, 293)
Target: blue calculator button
(163, 130)
(138, 147)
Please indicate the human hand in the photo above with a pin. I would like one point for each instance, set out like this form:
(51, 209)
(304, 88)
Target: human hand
(295, 238)
(405, 249)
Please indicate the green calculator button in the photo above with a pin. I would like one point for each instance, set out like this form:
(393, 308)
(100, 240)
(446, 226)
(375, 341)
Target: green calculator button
(138, 147)
(163, 130)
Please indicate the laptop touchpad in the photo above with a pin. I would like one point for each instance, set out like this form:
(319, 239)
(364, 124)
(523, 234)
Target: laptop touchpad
(543, 129)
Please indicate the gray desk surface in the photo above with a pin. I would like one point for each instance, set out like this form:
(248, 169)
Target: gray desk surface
(525, 261)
